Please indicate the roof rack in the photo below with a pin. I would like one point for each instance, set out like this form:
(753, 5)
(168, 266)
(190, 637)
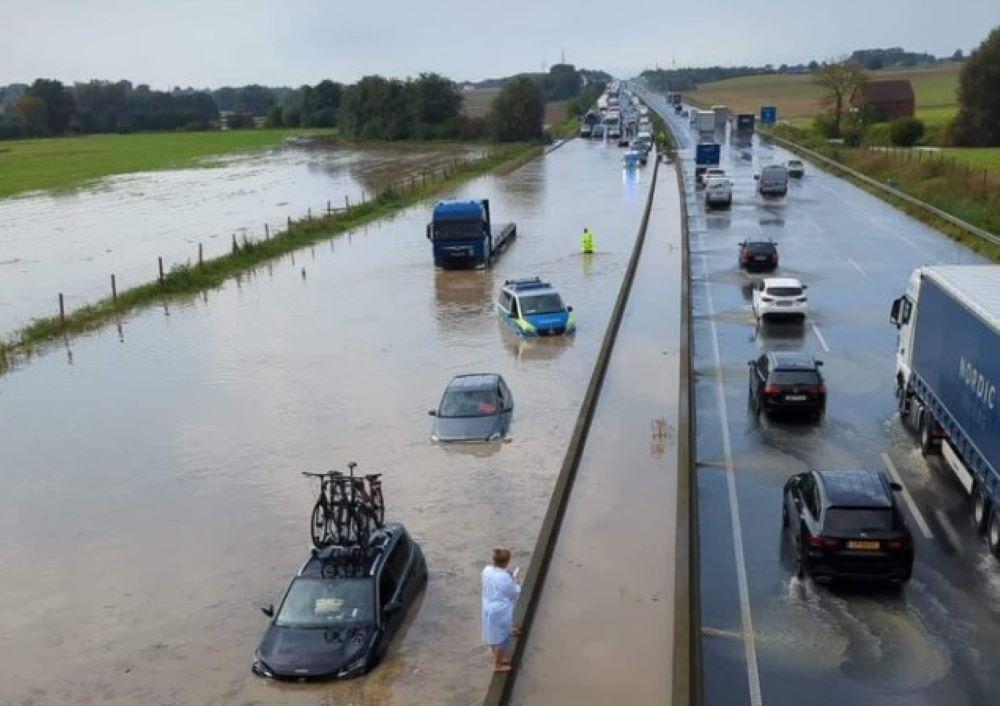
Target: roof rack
(526, 283)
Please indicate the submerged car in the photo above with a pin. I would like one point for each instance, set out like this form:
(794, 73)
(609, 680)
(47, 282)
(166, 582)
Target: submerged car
(787, 382)
(847, 524)
(474, 407)
(342, 609)
(779, 297)
(533, 307)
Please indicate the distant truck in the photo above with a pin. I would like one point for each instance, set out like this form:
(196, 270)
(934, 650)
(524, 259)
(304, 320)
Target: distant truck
(705, 121)
(674, 98)
(706, 155)
(721, 114)
(463, 235)
(745, 123)
(947, 375)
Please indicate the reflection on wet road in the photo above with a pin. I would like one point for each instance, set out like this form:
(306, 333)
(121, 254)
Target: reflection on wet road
(72, 241)
(152, 496)
(935, 640)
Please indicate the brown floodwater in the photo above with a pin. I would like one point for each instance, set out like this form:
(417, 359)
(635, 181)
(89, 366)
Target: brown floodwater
(71, 241)
(151, 490)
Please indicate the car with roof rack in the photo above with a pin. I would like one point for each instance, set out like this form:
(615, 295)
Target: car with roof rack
(341, 610)
(846, 524)
(533, 307)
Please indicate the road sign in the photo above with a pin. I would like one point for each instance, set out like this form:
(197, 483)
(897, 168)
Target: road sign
(769, 114)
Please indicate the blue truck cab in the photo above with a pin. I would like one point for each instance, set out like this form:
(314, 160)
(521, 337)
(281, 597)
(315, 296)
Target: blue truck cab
(463, 236)
(533, 307)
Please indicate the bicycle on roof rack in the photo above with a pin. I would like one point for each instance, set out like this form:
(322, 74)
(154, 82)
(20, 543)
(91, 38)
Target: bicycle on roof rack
(348, 508)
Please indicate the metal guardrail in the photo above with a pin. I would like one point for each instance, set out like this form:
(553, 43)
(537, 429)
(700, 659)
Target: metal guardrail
(895, 193)
(502, 684)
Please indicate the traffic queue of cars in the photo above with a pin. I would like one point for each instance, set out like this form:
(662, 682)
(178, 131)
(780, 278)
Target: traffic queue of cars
(842, 523)
(622, 118)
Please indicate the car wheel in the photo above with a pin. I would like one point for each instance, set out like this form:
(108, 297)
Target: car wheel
(993, 533)
(980, 508)
(928, 447)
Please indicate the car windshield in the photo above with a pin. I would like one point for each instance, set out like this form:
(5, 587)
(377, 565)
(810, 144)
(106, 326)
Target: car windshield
(795, 377)
(324, 603)
(784, 291)
(852, 520)
(447, 231)
(760, 248)
(469, 403)
(544, 303)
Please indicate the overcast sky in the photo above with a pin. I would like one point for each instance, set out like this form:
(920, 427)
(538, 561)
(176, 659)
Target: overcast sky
(290, 42)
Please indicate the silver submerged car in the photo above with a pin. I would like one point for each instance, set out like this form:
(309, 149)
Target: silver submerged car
(475, 407)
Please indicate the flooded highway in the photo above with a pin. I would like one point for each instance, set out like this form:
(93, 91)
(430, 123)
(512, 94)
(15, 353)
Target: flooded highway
(72, 241)
(767, 637)
(603, 632)
(152, 491)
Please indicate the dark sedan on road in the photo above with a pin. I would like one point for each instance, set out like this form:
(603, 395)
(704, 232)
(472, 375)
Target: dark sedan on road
(787, 381)
(476, 407)
(341, 611)
(758, 255)
(847, 525)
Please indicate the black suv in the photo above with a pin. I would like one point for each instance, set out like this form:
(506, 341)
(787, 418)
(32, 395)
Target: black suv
(846, 524)
(342, 609)
(758, 255)
(787, 381)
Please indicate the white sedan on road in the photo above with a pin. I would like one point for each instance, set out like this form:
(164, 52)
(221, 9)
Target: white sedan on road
(779, 297)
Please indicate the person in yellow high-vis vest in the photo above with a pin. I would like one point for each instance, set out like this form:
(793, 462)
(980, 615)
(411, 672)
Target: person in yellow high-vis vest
(587, 241)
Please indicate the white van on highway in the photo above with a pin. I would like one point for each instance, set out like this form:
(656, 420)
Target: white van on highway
(772, 180)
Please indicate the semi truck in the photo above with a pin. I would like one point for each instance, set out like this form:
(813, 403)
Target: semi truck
(721, 114)
(947, 373)
(705, 121)
(463, 235)
(745, 124)
(673, 98)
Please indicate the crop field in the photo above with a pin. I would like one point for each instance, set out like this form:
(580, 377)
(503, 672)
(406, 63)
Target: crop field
(66, 162)
(477, 101)
(797, 97)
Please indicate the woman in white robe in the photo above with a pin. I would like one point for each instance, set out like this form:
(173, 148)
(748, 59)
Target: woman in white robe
(500, 592)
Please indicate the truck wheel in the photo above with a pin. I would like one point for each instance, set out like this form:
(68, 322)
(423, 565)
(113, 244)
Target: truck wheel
(928, 446)
(993, 533)
(981, 509)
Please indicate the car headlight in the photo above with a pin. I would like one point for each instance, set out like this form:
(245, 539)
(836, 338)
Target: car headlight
(355, 668)
(260, 668)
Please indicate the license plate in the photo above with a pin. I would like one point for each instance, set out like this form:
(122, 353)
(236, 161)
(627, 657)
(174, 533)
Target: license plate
(865, 544)
(761, 258)
(784, 303)
(795, 398)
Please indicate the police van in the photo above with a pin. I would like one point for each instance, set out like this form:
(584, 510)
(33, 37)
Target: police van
(532, 307)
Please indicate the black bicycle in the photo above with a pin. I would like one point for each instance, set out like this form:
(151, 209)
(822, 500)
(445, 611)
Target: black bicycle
(347, 509)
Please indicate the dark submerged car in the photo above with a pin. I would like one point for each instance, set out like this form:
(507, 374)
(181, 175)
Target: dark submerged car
(787, 381)
(758, 255)
(847, 524)
(341, 611)
(476, 407)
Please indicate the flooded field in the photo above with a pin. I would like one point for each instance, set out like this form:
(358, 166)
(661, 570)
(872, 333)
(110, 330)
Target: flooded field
(72, 242)
(152, 497)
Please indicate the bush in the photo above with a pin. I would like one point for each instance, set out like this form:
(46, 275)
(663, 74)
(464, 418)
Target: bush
(852, 135)
(906, 132)
(825, 125)
(877, 134)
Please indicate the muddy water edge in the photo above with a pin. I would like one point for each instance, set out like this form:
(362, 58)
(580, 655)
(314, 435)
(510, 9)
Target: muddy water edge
(152, 497)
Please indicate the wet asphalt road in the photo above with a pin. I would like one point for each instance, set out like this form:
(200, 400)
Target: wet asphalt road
(934, 641)
(603, 628)
(151, 489)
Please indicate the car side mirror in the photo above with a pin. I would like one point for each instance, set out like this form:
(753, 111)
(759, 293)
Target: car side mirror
(897, 304)
(756, 177)
(432, 412)
(267, 610)
(750, 363)
(569, 309)
(805, 286)
(895, 486)
(392, 608)
(819, 363)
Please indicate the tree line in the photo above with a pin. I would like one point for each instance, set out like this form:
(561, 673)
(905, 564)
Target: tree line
(428, 107)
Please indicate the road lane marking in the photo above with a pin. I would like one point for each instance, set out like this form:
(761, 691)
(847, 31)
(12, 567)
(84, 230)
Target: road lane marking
(819, 335)
(949, 529)
(749, 638)
(914, 510)
(857, 267)
(716, 632)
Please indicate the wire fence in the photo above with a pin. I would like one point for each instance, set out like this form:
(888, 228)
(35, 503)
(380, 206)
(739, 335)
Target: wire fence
(949, 164)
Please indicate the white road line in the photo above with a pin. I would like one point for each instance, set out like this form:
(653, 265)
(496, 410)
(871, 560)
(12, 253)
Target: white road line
(857, 267)
(819, 335)
(949, 529)
(914, 510)
(749, 638)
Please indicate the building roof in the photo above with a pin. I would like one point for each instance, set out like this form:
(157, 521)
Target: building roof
(885, 91)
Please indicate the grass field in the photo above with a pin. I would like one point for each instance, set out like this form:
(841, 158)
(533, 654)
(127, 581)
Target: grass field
(976, 156)
(65, 162)
(797, 97)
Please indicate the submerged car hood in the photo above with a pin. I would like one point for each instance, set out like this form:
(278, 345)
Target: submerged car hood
(468, 428)
(312, 652)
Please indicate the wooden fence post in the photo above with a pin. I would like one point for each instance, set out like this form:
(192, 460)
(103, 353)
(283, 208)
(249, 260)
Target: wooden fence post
(159, 261)
(200, 258)
(289, 224)
(347, 203)
(62, 310)
(236, 247)
(267, 232)
(114, 290)
(309, 213)
(328, 209)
